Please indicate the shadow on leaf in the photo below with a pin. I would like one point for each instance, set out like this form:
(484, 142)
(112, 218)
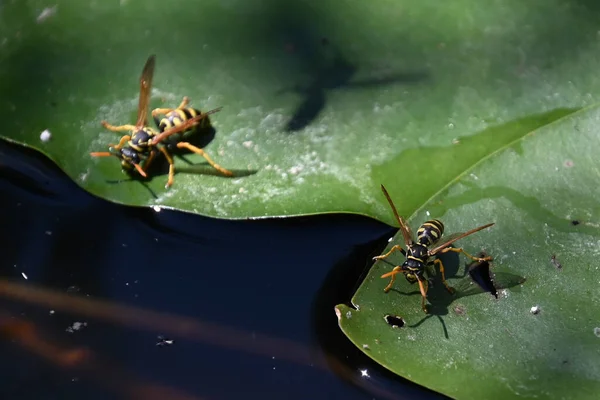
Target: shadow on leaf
(336, 74)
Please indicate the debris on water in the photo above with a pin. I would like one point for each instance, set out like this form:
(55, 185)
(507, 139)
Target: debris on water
(73, 289)
(597, 331)
(555, 262)
(575, 222)
(76, 326)
(163, 341)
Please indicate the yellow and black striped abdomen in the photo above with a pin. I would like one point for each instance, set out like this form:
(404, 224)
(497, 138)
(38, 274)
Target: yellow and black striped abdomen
(179, 116)
(430, 232)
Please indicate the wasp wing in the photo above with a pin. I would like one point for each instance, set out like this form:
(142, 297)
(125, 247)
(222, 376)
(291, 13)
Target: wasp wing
(184, 126)
(145, 92)
(404, 228)
(454, 237)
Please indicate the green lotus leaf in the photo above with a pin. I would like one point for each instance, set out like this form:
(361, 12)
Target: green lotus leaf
(322, 101)
(540, 338)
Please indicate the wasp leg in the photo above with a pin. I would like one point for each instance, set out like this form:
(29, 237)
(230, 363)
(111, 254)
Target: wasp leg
(392, 274)
(165, 111)
(171, 167)
(122, 142)
(149, 160)
(460, 250)
(440, 264)
(423, 287)
(386, 255)
(119, 128)
(203, 154)
(184, 102)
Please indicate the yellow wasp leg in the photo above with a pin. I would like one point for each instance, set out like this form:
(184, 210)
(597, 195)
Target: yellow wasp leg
(165, 111)
(149, 160)
(171, 167)
(184, 102)
(423, 287)
(386, 255)
(119, 128)
(396, 270)
(440, 264)
(203, 154)
(122, 142)
(460, 250)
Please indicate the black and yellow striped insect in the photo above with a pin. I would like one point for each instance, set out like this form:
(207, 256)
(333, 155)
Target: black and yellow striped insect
(138, 149)
(418, 253)
(173, 138)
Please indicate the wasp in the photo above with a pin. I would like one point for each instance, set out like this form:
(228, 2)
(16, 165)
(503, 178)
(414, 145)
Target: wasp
(418, 253)
(173, 138)
(139, 146)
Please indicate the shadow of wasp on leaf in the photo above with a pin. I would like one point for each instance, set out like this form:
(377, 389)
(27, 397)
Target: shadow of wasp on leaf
(338, 73)
(476, 278)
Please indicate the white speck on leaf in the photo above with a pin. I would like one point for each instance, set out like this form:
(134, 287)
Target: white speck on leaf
(45, 136)
(46, 13)
(535, 310)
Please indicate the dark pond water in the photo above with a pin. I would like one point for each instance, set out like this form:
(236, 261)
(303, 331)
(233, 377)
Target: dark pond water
(247, 304)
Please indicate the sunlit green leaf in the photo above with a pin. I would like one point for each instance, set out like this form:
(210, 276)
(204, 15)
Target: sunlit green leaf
(542, 192)
(323, 101)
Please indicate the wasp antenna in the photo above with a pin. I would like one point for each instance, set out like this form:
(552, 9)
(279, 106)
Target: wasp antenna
(140, 170)
(101, 154)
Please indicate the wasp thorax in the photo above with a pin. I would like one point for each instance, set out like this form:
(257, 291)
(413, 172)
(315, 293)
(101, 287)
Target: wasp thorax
(141, 138)
(418, 251)
(430, 232)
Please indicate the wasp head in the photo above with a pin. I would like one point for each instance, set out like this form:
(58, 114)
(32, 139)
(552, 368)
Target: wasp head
(130, 159)
(128, 156)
